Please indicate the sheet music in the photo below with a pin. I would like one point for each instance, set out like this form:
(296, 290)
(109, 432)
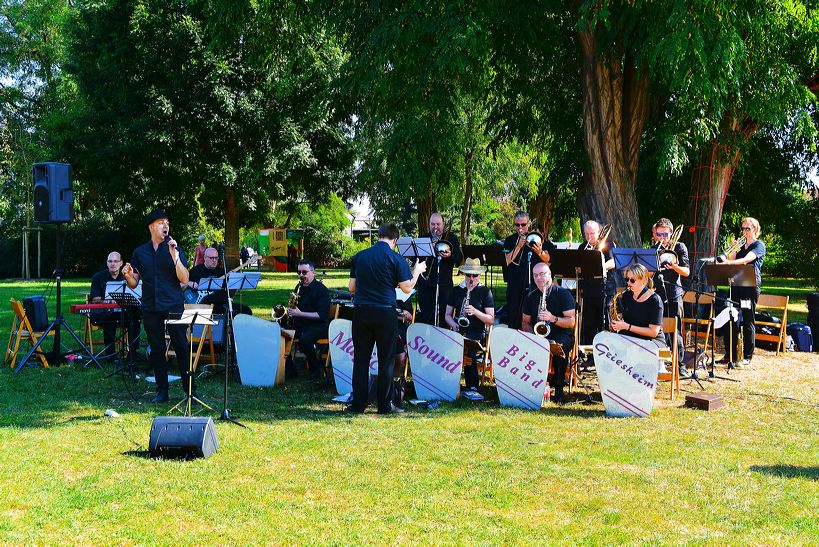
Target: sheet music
(116, 286)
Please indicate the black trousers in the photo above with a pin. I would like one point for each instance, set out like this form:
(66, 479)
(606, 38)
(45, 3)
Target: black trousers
(592, 317)
(515, 293)
(738, 294)
(307, 344)
(560, 364)
(155, 330)
(373, 327)
(426, 304)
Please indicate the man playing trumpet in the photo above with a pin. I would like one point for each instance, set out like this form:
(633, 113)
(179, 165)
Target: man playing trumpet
(552, 304)
(521, 257)
(476, 311)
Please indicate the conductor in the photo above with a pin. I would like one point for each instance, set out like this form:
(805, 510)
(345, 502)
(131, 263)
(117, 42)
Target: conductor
(374, 275)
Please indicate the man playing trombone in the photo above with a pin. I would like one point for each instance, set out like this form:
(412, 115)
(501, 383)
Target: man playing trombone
(672, 265)
(439, 272)
(596, 292)
(523, 250)
(549, 312)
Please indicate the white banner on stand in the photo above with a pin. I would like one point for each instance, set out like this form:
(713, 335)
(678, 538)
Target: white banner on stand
(520, 365)
(436, 360)
(627, 372)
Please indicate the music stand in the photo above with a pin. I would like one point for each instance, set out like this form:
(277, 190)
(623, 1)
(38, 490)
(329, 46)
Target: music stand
(623, 257)
(418, 248)
(577, 264)
(126, 298)
(732, 275)
(189, 318)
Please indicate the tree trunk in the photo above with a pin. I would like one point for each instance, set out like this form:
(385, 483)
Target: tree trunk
(466, 210)
(231, 230)
(615, 108)
(541, 210)
(426, 206)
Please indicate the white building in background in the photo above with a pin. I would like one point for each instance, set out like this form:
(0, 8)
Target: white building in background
(362, 218)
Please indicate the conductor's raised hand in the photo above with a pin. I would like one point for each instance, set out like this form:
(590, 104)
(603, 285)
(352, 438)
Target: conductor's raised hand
(128, 270)
(420, 267)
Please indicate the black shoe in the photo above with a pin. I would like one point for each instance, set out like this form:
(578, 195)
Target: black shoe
(161, 397)
(353, 410)
(392, 409)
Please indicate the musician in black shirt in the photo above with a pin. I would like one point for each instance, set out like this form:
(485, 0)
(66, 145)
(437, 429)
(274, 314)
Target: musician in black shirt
(596, 292)
(559, 313)
(310, 316)
(439, 269)
(753, 253)
(641, 308)
(162, 267)
(210, 268)
(106, 319)
(520, 259)
(479, 310)
(667, 282)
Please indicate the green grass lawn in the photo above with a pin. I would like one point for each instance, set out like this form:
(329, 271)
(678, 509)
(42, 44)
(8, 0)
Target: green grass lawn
(465, 473)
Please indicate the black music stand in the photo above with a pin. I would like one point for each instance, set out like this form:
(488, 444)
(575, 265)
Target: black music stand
(190, 318)
(731, 275)
(418, 248)
(577, 264)
(126, 299)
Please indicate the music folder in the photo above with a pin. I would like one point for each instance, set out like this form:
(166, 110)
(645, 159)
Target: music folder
(121, 287)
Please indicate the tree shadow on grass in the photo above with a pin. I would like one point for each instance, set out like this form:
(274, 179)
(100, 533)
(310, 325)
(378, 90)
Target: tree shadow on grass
(788, 471)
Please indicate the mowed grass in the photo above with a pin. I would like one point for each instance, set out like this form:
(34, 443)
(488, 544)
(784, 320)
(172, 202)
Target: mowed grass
(465, 473)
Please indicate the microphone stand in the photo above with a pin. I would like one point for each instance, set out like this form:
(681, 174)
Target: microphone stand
(226, 336)
(437, 287)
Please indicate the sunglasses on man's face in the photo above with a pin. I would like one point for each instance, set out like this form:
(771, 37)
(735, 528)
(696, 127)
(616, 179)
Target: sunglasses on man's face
(304, 272)
(472, 275)
(521, 224)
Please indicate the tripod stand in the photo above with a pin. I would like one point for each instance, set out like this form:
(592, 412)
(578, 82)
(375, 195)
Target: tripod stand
(59, 321)
(198, 317)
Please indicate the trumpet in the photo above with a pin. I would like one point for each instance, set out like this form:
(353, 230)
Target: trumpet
(733, 247)
(543, 328)
(666, 254)
(463, 320)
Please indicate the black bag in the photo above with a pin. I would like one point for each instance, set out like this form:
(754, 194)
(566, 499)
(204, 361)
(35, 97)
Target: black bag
(399, 389)
(35, 307)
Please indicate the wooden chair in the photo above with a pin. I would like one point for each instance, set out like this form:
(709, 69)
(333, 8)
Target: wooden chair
(324, 343)
(777, 303)
(670, 355)
(704, 327)
(21, 330)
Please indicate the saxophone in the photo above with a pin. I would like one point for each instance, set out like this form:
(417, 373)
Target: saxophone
(463, 320)
(280, 311)
(543, 328)
(614, 313)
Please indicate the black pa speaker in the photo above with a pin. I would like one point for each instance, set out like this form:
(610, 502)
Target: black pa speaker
(181, 436)
(53, 194)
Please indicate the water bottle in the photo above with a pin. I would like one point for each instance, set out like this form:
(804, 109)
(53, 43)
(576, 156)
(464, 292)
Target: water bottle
(547, 395)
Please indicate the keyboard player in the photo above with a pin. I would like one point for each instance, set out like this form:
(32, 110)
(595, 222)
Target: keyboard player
(108, 320)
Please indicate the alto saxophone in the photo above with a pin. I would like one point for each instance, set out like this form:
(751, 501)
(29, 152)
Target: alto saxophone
(543, 328)
(614, 313)
(280, 311)
(463, 320)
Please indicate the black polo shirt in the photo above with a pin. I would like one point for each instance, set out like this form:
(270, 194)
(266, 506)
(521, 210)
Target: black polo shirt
(558, 301)
(759, 250)
(378, 271)
(99, 280)
(160, 286)
(480, 298)
(201, 271)
(442, 269)
(669, 285)
(643, 314)
(313, 298)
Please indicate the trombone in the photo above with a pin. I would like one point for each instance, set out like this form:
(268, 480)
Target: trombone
(733, 248)
(665, 253)
(601, 240)
(531, 240)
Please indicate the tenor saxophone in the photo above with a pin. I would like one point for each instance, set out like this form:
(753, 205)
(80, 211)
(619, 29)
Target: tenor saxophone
(543, 328)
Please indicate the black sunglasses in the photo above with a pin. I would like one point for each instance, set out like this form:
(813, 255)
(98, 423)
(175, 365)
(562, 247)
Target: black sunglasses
(519, 224)
(631, 280)
(472, 275)
(304, 272)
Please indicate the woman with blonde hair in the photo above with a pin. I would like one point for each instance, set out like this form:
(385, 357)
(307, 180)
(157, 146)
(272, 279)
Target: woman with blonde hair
(753, 253)
(641, 308)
